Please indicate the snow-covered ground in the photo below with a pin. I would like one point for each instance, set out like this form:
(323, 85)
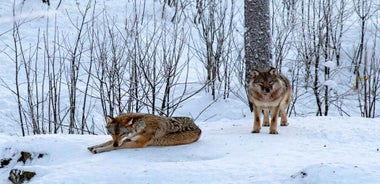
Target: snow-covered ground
(310, 150)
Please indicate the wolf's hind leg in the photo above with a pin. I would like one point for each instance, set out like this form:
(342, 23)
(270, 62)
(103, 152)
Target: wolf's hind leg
(266, 118)
(284, 117)
(178, 138)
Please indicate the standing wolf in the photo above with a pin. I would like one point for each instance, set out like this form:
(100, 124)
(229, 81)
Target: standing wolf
(135, 130)
(270, 92)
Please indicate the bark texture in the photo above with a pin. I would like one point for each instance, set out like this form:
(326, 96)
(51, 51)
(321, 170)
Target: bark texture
(257, 38)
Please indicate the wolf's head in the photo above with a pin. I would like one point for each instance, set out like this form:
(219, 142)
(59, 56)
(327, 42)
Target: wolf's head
(123, 129)
(265, 82)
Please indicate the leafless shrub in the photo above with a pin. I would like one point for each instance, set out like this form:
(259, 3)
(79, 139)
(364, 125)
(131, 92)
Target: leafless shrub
(365, 61)
(158, 80)
(368, 82)
(39, 81)
(321, 30)
(214, 21)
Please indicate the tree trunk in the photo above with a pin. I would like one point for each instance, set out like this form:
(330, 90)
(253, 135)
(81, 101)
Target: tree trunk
(257, 38)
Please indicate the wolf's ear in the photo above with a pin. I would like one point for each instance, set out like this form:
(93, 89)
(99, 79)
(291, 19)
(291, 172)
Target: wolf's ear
(255, 73)
(109, 119)
(273, 71)
(130, 121)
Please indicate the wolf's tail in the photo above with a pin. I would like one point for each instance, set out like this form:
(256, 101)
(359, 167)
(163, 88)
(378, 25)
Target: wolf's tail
(182, 130)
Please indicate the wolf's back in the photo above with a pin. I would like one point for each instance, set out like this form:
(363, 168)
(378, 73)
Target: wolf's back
(181, 124)
(180, 130)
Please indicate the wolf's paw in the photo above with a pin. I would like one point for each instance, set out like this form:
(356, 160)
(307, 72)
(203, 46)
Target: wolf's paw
(284, 124)
(255, 131)
(92, 149)
(265, 124)
(273, 132)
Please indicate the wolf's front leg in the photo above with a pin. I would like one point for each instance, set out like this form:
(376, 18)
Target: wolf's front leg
(273, 124)
(139, 141)
(256, 121)
(105, 148)
(93, 148)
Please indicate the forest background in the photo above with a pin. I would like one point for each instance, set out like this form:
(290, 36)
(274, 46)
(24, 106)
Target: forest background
(65, 73)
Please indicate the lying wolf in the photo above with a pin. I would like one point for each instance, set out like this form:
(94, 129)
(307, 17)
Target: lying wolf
(136, 130)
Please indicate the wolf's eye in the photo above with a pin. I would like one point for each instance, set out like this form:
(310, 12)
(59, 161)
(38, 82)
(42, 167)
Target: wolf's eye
(272, 81)
(124, 131)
